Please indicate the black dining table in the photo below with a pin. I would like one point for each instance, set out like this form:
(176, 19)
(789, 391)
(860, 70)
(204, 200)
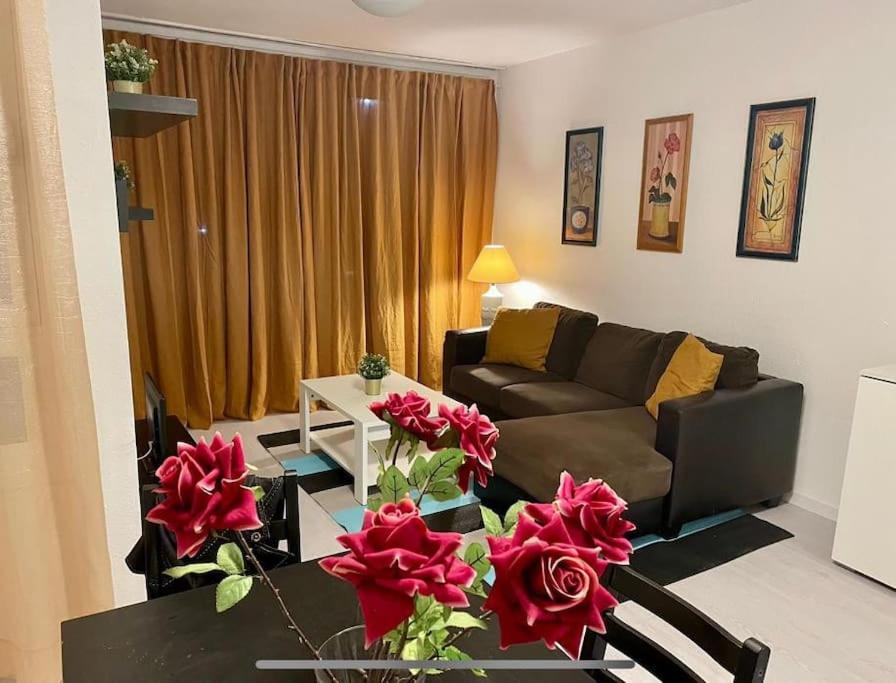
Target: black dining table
(181, 637)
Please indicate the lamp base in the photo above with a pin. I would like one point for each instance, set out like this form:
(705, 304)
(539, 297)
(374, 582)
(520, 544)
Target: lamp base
(491, 302)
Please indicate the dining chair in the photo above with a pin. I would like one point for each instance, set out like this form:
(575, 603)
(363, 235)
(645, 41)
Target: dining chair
(279, 513)
(747, 661)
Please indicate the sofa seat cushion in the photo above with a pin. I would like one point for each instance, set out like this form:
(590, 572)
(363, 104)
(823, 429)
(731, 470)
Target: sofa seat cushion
(483, 383)
(554, 398)
(574, 329)
(618, 360)
(614, 445)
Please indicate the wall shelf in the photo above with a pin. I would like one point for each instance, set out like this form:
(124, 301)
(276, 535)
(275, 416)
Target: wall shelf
(140, 116)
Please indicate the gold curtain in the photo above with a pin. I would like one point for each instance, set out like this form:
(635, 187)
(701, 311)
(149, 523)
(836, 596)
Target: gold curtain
(52, 531)
(313, 211)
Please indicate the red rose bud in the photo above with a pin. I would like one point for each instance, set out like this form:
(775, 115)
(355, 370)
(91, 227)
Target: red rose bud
(203, 492)
(592, 514)
(394, 558)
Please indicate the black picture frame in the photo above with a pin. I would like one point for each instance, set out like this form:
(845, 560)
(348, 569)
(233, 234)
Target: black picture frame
(808, 103)
(598, 132)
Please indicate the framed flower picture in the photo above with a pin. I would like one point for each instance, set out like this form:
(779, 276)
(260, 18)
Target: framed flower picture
(581, 185)
(771, 206)
(664, 183)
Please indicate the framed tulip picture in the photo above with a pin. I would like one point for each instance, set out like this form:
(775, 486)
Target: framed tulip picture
(771, 206)
(664, 183)
(581, 185)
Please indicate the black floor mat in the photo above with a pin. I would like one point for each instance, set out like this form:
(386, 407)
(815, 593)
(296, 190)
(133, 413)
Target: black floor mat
(673, 561)
(294, 436)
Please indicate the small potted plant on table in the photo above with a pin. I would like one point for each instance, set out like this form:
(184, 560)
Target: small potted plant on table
(373, 367)
(128, 67)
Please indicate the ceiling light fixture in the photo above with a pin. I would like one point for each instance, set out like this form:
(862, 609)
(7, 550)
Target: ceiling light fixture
(388, 8)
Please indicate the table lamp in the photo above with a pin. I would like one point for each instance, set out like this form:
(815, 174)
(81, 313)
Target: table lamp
(493, 267)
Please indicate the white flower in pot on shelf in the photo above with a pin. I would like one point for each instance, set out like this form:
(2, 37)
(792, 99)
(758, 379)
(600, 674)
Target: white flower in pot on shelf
(128, 67)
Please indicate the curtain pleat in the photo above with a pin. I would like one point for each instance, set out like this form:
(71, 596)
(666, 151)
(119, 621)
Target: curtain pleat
(313, 211)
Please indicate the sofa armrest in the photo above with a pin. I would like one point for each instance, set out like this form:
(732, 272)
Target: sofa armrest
(462, 347)
(729, 447)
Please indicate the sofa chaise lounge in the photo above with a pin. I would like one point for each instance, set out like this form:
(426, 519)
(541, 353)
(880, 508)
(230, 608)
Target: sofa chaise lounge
(731, 447)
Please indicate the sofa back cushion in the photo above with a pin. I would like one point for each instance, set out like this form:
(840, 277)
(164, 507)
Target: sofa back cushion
(618, 360)
(740, 367)
(574, 329)
(521, 337)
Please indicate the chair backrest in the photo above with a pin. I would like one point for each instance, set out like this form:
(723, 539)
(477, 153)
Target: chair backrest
(747, 661)
(282, 525)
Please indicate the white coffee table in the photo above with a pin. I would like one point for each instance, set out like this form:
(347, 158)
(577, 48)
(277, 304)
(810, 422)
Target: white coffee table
(350, 446)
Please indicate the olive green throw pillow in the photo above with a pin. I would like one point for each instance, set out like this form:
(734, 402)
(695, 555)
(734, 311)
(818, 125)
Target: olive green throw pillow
(521, 337)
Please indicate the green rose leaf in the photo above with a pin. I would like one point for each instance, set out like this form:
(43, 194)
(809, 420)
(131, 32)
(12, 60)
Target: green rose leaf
(671, 181)
(230, 591)
(465, 620)
(258, 492)
(455, 654)
(393, 485)
(444, 490)
(419, 472)
(512, 516)
(230, 558)
(374, 503)
(493, 524)
(445, 463)
(476, 556)
(197, 568)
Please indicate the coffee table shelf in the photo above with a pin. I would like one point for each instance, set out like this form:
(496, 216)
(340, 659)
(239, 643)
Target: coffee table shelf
(350, 446)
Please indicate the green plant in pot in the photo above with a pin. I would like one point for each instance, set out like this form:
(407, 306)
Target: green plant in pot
(124, 175)
(128, 67)
(373, 367)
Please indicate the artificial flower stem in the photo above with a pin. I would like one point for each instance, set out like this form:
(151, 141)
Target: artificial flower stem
(266, 580)
(398, 443)
(423, 491)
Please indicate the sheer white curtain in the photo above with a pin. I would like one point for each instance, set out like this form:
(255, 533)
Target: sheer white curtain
(54, 562)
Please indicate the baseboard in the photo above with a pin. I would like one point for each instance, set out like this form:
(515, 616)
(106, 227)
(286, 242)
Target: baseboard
(813, 505)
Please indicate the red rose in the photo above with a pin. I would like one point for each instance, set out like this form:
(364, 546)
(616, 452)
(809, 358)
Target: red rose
(545, 587)
(392, 559)
(654, 174)
(672, 143)
(411, 413)
(592, 514)
(204, 493)
(476, 437)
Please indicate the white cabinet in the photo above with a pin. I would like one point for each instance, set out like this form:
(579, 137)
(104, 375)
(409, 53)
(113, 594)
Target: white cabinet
(865, 540)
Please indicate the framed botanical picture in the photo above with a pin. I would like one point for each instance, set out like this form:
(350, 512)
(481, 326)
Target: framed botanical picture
(771, 205)
(664, 182)
(581, 185)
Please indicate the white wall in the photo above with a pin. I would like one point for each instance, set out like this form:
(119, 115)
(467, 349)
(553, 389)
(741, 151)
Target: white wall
(83, 121)
(818, 321)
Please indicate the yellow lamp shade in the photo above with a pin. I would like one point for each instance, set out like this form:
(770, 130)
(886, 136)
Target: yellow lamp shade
(493, 266)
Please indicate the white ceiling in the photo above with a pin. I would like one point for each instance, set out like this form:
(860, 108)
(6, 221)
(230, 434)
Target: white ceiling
(493, 33)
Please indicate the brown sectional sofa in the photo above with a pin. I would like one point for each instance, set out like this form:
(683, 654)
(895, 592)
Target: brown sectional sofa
(731, 447)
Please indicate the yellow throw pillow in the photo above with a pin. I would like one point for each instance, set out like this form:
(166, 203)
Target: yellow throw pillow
(521, 337)
(692, 370)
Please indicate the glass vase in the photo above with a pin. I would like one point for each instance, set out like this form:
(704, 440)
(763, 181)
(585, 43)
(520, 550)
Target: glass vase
(349, 644)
